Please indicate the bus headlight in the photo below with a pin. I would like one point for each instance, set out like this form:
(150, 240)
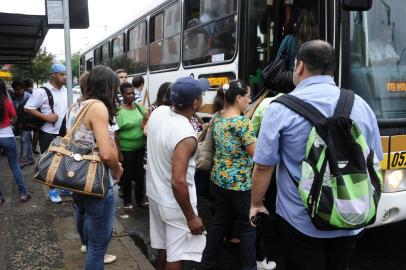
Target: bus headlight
(394, 180)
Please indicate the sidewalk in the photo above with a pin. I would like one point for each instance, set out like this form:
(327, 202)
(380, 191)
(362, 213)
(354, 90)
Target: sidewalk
(41, 235)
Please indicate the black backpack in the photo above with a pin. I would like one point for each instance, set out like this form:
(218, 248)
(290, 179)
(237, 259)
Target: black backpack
(30, 122)
(273, 73)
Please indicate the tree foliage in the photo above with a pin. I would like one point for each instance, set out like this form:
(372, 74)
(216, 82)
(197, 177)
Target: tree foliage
(38, 70)
(75, 64)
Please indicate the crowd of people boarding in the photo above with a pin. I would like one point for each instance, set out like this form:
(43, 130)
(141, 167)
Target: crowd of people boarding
(156, 148)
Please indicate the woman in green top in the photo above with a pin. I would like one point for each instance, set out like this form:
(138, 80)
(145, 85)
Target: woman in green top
(131, 142)
(234, 145)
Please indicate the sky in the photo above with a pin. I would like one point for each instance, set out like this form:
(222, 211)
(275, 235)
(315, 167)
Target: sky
(104, 18)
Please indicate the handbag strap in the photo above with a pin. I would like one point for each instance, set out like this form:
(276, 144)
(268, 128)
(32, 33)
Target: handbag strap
(79, 118)
(140, 109)
(146, 98)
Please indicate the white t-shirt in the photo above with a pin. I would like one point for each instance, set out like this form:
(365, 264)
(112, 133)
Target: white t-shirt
(39, 99)
(6, 132)
(165, 130)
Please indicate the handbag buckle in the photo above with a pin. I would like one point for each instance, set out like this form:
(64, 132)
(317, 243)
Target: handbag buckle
(78, 157)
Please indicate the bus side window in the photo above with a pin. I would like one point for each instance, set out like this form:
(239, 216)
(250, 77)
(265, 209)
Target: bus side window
(165, 39)
(137, 49)
(210, 31)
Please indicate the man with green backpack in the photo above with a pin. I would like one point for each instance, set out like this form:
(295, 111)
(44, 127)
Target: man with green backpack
(327, 146)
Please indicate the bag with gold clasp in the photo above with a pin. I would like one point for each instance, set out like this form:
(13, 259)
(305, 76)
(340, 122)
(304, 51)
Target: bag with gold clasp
(73, 167)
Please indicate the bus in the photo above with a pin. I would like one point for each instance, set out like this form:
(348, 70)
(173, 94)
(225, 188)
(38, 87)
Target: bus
(226, 39)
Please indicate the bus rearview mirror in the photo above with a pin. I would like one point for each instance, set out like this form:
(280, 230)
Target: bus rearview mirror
(356, 5)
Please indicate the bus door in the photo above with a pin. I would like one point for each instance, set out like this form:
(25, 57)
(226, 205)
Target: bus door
(263, 25)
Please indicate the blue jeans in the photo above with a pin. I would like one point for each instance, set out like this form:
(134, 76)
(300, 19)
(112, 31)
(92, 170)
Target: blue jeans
(26, 146)
(9, 146)
(94, 221)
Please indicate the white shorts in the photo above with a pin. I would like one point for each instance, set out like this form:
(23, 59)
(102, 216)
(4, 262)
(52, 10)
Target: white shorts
(168, 230)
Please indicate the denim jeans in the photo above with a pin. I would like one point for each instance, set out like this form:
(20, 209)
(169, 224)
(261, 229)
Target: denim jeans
(238, 202)
(26, 146)
(9, 146)
(94, 221)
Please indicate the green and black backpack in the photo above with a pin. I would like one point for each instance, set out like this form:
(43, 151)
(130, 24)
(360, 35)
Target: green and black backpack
(341, 180)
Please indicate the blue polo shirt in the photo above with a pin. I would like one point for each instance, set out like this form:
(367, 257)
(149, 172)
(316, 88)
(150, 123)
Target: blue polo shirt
(283, 136)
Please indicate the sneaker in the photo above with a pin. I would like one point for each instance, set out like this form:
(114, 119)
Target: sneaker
(65, 192)
(25, 197)
(54, 196)
(264, 265)
(83, 249)
(108, 258)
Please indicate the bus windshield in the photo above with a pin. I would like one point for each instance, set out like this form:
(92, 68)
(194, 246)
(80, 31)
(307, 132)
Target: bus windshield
(378, 57)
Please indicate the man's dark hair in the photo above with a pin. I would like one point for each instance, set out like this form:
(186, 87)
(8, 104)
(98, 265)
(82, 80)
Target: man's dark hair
(137, 81)
(318, 57)
(124, 86)
(28, 83)
(18, 83)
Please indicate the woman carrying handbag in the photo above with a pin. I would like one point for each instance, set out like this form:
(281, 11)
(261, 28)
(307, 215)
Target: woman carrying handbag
(95, 215)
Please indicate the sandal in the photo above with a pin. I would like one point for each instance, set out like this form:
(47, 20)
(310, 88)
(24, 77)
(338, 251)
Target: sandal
(129, 208)
(143, 205)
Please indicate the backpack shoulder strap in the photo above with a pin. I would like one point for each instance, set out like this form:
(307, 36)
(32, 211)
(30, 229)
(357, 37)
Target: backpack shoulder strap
(50, 98)
(345, 103)
(301, 107)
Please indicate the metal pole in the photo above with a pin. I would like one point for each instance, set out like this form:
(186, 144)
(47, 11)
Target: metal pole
(68, 61)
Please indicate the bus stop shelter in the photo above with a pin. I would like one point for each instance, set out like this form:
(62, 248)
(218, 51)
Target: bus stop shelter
(21, 37)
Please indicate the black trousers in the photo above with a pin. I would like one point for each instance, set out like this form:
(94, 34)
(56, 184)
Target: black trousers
(226, 201)
(45, 140)
(133, 166)
(307, 253)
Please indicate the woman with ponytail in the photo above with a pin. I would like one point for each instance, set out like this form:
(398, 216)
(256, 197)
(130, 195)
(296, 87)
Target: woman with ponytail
(234, 145)
(8, 142)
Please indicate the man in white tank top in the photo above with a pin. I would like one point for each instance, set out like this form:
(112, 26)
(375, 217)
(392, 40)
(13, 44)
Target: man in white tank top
(175, 228)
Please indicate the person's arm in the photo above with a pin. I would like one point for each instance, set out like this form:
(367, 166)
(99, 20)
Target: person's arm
(184, 150)
(11, 112)
(251, 149)
(35, 102)
(248, 137)
(51, 118)
(99, 122)
(261, 178)
(117, 140)
(146, 129)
